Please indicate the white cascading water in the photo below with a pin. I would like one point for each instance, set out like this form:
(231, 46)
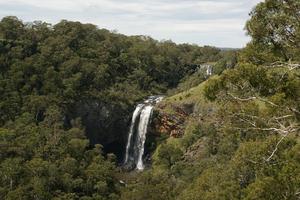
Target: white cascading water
(142, 130)
(137, 133)
(136, 113)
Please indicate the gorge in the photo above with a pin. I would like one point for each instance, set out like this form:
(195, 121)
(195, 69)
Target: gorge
(77, 120)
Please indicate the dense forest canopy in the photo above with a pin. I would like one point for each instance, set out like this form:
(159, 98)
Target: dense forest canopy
(67, 92)
(68, 86)
(77, 67)
(70, 61)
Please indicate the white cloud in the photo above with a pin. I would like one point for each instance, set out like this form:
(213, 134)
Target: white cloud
(215, 22)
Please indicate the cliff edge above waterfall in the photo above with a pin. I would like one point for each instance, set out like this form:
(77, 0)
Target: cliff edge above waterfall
(173, 114)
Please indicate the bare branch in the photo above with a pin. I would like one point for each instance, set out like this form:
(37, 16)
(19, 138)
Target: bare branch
(253, 98)
(282, 131)
(291, 66)
(267, 101)
(276, 147)
(295, 110)
(282, 117)
(248, 121)
(263, 100)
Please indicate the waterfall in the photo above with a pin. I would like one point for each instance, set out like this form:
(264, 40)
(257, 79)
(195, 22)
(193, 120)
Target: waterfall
(136, 113)
(209, 70)
(142, 130)
(137, 133)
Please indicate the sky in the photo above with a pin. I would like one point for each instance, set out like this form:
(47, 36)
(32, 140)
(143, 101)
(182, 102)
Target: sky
(218, 23)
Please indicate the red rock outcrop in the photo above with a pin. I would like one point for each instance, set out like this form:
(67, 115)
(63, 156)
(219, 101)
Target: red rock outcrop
(169, 124)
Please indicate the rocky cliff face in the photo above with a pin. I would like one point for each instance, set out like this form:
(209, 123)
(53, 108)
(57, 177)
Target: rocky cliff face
(105, 124)
(170, 124)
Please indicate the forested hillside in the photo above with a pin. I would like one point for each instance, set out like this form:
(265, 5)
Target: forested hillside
(69, 86)
(236, 135)
(67, 93)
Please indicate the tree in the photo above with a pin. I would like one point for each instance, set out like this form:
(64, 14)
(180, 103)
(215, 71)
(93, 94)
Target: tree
(275, 29)
(11, 28)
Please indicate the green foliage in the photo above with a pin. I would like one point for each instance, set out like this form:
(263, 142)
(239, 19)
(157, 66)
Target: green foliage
(48, 73)
(167, 155)
(228, 61)
(274, 28)
(48, 162)
(243, 144)
(150, 186)
(71, 61)
(212, 87)
(241, 140)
